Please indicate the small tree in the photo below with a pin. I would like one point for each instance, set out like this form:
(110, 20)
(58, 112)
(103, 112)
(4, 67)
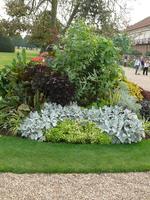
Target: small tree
(123, 42)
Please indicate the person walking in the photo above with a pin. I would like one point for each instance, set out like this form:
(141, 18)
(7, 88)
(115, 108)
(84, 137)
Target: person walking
(142, 63)
(137, 65)
(125, 61)
(145, 69)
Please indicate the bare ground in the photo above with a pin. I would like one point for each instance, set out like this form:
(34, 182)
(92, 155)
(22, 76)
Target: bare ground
(123, 186)
(141, 80)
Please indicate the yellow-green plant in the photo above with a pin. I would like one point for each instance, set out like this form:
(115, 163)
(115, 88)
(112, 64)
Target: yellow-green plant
(114, 97)
(146, 126)
(81, 132)
(134, 90)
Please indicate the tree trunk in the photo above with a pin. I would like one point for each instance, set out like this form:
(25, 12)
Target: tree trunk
(86, 9)
(54, 13)
(74, 12)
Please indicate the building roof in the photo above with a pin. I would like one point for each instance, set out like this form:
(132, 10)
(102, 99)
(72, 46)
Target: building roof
(141, 24)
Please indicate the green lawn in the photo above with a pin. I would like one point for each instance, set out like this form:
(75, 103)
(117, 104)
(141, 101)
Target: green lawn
(25, 156)
(6, 58)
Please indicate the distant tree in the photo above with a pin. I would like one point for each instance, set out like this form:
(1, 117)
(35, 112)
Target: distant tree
(29, 43)
(17, 40)
(6, 44)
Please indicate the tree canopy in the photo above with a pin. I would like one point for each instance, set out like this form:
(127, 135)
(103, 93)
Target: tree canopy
(29, 15)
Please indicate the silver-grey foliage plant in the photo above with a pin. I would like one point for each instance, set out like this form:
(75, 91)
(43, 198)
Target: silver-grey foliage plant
(128, 101)
(121, 124)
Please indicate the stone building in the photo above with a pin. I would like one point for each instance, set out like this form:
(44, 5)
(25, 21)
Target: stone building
(140, 33)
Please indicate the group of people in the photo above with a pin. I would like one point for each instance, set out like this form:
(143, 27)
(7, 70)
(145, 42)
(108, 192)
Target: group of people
(141, 64)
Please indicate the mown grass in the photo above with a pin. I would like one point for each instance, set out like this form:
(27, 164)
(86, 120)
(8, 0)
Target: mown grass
(24, 156)
(6, 58)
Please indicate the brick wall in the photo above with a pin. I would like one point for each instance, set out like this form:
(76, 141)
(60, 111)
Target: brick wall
(143, 48)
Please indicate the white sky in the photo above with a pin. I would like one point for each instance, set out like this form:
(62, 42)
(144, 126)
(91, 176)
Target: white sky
(2, 7)
(140, 9)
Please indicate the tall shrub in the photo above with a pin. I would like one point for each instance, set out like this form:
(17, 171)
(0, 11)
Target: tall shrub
(90, 62)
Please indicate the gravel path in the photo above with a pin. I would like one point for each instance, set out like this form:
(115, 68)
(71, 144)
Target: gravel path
(141, 80)
(128, 186)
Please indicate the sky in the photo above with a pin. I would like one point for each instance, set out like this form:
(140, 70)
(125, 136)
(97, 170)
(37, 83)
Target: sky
(139, 9)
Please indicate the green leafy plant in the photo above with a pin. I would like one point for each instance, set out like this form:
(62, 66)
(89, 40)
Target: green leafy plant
(70, 131)
(90, 62)
(20, 60)
(10, 77)
(11, 115)
(113, 99)
(12, 93)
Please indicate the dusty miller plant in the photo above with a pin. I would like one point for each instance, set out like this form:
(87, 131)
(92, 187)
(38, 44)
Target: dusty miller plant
(122, 124)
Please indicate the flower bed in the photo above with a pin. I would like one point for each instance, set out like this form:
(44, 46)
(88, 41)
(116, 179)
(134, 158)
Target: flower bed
(107, 107)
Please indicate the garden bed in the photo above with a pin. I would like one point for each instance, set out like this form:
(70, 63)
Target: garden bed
(84, 103)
